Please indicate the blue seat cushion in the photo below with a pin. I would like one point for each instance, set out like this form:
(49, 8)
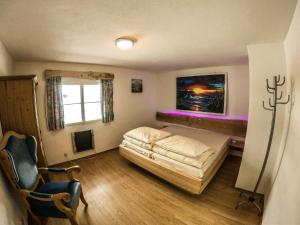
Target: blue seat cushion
(49, 209)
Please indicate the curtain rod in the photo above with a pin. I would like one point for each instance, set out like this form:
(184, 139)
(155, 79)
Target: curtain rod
(79, 74)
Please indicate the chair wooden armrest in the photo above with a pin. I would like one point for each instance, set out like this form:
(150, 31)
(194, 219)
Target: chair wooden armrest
(56, 198)
(45, 197)
(69, 171)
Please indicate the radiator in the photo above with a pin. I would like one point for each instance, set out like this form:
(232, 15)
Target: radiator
(83, 140)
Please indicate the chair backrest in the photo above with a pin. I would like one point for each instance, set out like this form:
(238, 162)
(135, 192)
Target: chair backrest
(22, 157)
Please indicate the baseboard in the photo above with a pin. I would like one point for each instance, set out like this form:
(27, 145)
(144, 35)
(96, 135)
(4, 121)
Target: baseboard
(81, 158)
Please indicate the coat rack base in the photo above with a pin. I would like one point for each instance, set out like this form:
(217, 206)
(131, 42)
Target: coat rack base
(253, 200)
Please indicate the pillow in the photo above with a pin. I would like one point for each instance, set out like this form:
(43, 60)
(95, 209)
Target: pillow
(183, 145)
(147, 134)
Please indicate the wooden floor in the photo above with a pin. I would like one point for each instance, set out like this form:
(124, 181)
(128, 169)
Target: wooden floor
(119, 192)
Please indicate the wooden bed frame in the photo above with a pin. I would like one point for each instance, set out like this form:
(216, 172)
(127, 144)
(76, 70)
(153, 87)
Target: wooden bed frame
(194, 185)
(188, 183)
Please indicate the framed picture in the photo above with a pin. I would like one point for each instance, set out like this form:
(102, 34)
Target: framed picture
(136, 85)
(202, 93)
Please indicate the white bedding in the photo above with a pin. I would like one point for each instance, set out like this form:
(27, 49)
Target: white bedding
(215, 140)
(137, 149)
(138, 143)
(182, 145)
(218, 142)
(198, 161)
(177, 166)
(184, 168)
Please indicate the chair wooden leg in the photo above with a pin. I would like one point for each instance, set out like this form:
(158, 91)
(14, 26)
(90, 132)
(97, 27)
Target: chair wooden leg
(83, 199)
(73, 220)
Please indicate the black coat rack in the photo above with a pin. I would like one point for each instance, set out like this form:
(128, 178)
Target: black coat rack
(273, 103)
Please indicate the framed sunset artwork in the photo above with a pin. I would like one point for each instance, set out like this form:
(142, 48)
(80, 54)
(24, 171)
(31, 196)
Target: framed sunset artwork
(202, 93)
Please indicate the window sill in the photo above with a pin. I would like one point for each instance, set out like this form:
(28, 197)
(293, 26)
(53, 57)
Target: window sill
(82, 123)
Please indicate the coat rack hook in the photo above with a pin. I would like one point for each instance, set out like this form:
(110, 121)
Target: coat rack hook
(285, 102)
(268, 85)
(266, 107)
(278, 77)
(280, 97)
(281, 83)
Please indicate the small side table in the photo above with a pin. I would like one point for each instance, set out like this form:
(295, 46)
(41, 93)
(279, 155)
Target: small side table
(236, 146)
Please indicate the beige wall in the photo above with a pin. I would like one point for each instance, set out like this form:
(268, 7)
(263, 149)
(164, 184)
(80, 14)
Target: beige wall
(282, 206)
(265, 61)
(6, 61)
(131, 109)
(238, 88)
(10, 211)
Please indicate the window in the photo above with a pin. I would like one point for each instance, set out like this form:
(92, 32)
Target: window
(81, 102)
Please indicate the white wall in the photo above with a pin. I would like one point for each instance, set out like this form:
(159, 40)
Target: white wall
(283, 203)
(238, 88)
(265, 61)
(131, 109)
(11, 212)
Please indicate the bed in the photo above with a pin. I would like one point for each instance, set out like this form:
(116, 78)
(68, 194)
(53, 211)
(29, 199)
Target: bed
(181, 174)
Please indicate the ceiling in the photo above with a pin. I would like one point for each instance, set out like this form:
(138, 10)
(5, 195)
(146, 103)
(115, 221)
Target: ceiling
(172, 34)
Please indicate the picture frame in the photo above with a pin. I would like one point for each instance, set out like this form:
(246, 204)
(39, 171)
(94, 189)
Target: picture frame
(136, 85)
(202, 93)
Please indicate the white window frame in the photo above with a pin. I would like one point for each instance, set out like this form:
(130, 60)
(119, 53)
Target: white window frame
(82, 102)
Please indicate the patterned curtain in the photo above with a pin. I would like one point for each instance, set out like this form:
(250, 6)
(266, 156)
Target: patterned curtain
(107, 101)
(55, 107)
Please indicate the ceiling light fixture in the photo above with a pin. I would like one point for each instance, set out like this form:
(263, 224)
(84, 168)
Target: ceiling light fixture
(124, 43)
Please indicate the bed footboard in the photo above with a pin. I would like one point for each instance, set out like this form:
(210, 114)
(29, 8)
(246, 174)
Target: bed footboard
(190, 184)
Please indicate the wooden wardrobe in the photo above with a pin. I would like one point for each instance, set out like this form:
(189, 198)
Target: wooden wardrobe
(18, 110)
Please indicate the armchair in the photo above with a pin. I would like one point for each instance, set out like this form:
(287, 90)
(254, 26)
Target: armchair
(53, 199)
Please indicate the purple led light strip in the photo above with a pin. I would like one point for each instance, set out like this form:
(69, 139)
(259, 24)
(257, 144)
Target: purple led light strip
(177, 113)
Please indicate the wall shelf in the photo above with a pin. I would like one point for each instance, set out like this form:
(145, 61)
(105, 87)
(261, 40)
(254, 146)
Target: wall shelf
(230, 127)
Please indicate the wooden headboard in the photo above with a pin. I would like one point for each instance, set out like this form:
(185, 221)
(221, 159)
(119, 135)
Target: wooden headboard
(227, 126)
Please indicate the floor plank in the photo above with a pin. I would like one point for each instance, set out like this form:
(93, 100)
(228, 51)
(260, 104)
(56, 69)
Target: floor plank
(119, 192)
